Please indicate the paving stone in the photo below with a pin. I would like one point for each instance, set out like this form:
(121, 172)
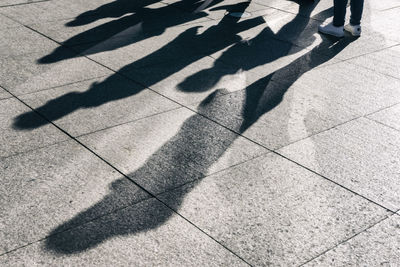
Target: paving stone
(356, 90)
(195, 81)
(154, 18)
(92, 105)
(104, 9)
(270, 211)
(323, 9)
(291, 107)
(378, 246)
(389, 117)
(111, 42)
(171, 149)
(319, 10)
(264, 55)
(42, 189)
(176, 46)
(145, 234)
(7, 23)
(132, 51)
(50, 10)
(216, 9)
(361, 155)
(5, 3)
(383, 5)
(303, 32)
(21, 40)
(24, 74)
(387, 19)
(4, 94)
(385, 61)
(15, 141)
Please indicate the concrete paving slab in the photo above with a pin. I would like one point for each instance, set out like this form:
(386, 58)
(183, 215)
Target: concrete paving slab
(195, 81)
(386, 22)
(14, 141)
(385, 61)
(21, 40)
(50, 10)
(378, 246)
(288, 115)
(145, 234)
(318, 10)
(145, 50)
(24, 74)
(291, 108)
(5, 3)
(4, 94)
(323, 7)
(361, 155)
(303, 32)
(187, 43)
(44, 188)
(273, 212)
(264, 55)
(152, 19)
(354, 91)
(170, 149)
(216, 9)
(92, 105)
(7, 23)
(383, 5)
(389, 117)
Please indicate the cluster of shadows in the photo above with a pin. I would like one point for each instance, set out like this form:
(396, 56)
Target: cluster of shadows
(190, 153)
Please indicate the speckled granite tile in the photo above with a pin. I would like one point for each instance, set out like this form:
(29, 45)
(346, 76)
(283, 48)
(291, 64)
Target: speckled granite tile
(170, 149)
(42, 189)
(389, 116)
(273, 212)
(361, 155)
(92, 105)
(15, 141)
(145, 234)
(378, 246)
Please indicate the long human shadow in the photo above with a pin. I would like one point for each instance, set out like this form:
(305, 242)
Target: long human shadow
(142, 24)
(187, 48)
(184, 158)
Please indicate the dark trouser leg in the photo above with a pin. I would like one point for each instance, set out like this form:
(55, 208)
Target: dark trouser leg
(356, 11)
(339, 12)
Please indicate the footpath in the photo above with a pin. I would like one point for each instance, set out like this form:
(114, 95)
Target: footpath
(198, 133)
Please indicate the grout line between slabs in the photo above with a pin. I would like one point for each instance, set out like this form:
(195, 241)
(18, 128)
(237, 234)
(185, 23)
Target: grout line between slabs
(128, 122)
(336, 183)
(383, 124)
(350, 238)
(26, 3)
(56, 86)
(338, 125)
(390, 8)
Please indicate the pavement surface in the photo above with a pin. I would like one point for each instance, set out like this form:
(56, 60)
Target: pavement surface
(198, 133)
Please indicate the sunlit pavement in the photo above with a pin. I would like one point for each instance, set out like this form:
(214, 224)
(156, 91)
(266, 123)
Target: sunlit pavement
(198, 133)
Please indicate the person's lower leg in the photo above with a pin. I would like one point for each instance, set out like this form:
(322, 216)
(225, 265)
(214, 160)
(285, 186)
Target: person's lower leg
(339, 12)
(356, 11)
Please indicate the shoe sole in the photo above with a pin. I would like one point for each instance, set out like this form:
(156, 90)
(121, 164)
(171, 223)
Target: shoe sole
(353, 34)
(331, 33)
